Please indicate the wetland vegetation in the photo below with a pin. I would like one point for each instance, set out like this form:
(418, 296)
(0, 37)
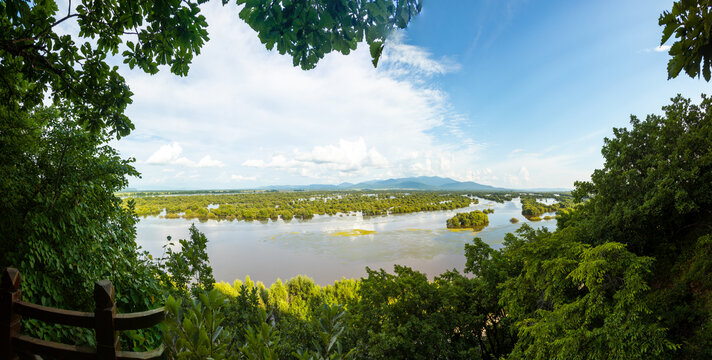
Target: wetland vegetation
(286, 205)
(532, 209)
(475, 220)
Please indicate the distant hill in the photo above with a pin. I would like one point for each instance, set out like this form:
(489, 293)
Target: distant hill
(410, 183)
(433, 183)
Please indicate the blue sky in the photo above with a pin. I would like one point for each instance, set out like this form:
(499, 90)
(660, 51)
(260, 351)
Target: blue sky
(506, 93)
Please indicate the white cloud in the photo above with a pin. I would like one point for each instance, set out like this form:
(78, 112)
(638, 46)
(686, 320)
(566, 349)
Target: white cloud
(277, 161)
(348, 157)
(265, 119)
(166, 154)
(207, 161)
(242, 178)
(661, 48)
(562, 161)
(170, 155)
(524, 174)
(400, 58)
(255, 163)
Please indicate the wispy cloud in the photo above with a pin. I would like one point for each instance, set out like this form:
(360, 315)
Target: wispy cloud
(401, 59)
(524, 174)
(242, 178)
(170, 155)
(660, 48)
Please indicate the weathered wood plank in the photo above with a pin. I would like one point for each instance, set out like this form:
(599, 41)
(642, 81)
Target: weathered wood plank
(107, 338)
(57, 316)
(140, 320)
(10, 294)
(23, 343)
(104, 320)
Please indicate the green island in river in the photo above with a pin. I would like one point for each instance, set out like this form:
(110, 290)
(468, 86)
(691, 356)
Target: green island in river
(475, 220)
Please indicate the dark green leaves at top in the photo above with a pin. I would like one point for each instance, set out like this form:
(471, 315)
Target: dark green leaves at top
(308, 30)
(690, 21)
(376, 49)
(76, 75)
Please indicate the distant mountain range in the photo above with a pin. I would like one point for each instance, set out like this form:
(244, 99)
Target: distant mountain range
(410, 183)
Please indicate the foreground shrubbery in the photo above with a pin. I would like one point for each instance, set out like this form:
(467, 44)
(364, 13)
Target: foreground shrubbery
(387, 316)
(62, 226)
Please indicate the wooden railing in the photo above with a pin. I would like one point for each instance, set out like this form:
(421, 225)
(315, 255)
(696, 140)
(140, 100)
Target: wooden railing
(104, 320)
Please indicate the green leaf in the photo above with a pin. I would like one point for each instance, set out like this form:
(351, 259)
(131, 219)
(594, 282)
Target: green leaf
(376, 49)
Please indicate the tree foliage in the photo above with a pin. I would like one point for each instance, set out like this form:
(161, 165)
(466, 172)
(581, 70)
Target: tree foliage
(62, 225)
(653, 195)
(656, 183)
(308, 30)
(196, 332)
(476, 220)
(531, 207)
(691, 23)
(187, 268)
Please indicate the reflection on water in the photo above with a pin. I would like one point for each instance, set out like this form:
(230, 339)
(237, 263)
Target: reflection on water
(328, 248)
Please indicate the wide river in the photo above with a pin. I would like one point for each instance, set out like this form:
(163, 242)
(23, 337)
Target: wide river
(277, 249)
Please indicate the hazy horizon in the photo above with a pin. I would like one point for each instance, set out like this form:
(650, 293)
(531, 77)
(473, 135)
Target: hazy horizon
(169, 188)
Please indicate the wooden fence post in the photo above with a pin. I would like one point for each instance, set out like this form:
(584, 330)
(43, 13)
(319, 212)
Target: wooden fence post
(107, 339)
(9, 321)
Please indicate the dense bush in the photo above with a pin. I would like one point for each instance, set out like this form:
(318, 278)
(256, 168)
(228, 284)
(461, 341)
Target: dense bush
(476, 220)
(62, 226)
(533, 208)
